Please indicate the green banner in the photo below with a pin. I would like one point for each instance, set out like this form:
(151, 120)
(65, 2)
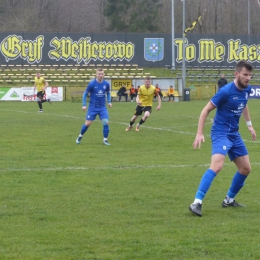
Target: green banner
(3, 91)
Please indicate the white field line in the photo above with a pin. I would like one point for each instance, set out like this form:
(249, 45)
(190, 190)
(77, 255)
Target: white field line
(120, 123)
(126, 167)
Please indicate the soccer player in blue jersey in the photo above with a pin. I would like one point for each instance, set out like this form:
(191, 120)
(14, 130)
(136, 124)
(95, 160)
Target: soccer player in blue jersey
(231, 103)
(98, 90)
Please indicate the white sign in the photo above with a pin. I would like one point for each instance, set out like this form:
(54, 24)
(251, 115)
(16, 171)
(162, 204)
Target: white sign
(54, 93)
(12, 94)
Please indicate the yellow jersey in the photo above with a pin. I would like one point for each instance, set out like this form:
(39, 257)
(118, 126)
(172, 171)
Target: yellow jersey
(40, 83)
(146, 95)
(170, 91)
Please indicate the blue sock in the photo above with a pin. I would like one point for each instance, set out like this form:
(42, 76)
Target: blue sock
(105, 131)
(237, 183)
(205, 183)
(84, 129)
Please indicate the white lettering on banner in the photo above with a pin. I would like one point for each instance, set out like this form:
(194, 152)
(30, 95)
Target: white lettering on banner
(255, 92)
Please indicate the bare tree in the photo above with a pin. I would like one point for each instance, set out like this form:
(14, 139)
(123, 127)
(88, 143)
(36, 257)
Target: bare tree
(221, 16)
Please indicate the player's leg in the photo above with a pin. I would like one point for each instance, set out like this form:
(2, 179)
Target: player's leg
(103, 115)
(239, 155)
(132, 121)
(147, 113)
(83, 130)
(106, 129)
(90, 117)
(138, 112)
(39, 100)
(217, 162)
(45, 100)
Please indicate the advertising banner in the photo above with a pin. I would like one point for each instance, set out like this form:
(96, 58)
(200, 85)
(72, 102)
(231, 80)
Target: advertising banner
(11, 94)
(54, 93)
(144, 49)
(28, 94)
(255, 92)
(116, 84)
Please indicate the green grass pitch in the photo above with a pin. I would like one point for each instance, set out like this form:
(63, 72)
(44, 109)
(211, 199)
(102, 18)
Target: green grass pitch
(63, 201)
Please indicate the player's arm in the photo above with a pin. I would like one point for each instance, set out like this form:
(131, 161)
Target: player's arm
(46, 84)
(246, 115)
(138, 99)
(84, 100)
(109, 99)
(159, 102)
(202, 119)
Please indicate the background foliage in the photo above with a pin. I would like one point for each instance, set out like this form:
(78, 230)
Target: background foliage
(153, 16)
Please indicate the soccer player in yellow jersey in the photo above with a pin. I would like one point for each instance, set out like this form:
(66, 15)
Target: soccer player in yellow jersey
(40, 84)
(144, 102)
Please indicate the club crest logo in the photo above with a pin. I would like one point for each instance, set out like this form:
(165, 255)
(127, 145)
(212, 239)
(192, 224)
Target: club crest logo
(153, 49)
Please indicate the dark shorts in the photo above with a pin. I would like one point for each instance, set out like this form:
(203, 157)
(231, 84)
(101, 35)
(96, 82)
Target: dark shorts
(139, 110)
(40, 94)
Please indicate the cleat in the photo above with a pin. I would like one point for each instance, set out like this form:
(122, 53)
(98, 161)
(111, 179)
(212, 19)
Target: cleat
(128, 128)
(105, 142)
(196, 209)
(40, 111)
(78, 140)
(226, 204)
(137, 128)
(49, 100)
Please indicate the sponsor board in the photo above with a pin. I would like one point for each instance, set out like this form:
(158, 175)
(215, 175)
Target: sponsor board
(29, 94)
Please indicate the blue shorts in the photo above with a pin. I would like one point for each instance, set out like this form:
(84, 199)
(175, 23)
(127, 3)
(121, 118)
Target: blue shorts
(231, 144)
(93, 112)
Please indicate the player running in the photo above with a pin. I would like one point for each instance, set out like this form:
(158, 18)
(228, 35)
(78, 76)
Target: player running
(40, 84)
(144, 102)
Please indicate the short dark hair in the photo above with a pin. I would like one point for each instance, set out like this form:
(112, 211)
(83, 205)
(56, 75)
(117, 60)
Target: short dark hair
(148, 77)
(243, 64)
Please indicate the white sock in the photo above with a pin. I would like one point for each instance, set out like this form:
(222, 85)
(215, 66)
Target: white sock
(197, 201)
(105, 139)
(229, 200)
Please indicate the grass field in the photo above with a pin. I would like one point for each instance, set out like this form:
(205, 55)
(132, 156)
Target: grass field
(62, 201)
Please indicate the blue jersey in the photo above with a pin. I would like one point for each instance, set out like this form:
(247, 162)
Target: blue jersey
(230, 102)
(98, 93)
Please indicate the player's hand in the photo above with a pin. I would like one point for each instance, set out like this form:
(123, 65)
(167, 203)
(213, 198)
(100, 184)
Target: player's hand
(139, 103)
(84, 108)
(110, 105)
(252, 131)
(158, 108)
(198, 139)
